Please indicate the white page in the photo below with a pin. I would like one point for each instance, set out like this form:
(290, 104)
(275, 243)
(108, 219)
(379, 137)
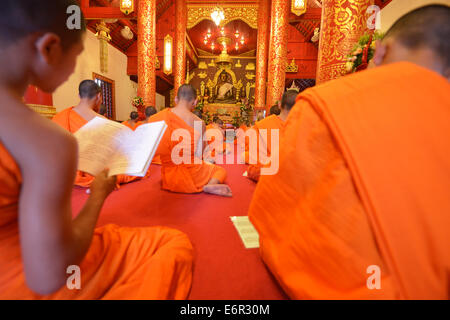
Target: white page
(136, 151)
(97, 143)
(246, 231)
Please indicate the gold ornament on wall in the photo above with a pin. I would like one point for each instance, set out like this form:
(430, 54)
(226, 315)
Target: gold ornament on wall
(212, 63)
(250, 76)
(202, 65)
(202, 75)
(238, 64)
(157, 63)
(291, 67)
(250, 66)
(245, 12)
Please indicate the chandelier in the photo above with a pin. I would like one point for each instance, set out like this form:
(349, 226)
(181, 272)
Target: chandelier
(218, 15)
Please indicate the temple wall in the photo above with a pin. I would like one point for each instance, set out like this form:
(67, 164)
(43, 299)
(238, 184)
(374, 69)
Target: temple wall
(89, 62)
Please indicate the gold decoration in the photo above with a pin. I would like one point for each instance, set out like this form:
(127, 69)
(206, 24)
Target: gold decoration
(238, 64)
(212, 63)
(104, 37)
(250, 76)
(127, 6)
(249, 86)
(157, 63)
(202, 65)
(298, 7)
(202, 75)
(292, 67)
(45, 111)
(250, 66)
(245, 12)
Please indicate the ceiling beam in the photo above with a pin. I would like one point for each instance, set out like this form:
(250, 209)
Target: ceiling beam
(99, 13)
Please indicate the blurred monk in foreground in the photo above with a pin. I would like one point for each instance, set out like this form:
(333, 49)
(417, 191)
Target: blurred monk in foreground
(133, 122)
(72, 119)
(360, 206)
(188, 173)
(41, 245)
(272, 122)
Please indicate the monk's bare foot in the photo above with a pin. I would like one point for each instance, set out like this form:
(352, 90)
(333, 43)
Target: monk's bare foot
(218, 189)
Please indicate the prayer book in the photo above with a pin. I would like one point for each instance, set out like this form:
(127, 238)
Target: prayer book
(103, 143)
(246, 231)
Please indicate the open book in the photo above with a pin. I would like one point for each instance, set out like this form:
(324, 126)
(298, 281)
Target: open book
(103, 143)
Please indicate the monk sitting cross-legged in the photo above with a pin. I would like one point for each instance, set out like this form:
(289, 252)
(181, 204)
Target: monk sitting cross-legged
(72, 119)
(133, 122)
(360, 206)
(41, 246)
(273, 122)
(192, 174)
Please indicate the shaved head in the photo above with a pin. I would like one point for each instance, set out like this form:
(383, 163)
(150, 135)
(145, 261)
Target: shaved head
(187, 93)
(425, 28)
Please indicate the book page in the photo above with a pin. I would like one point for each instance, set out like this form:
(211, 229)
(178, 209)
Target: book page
(97, 144)
(135, 153)
(246, 231)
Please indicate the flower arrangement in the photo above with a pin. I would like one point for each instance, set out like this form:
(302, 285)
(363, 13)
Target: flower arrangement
(207, 117)
(363, 52)
(139, 104)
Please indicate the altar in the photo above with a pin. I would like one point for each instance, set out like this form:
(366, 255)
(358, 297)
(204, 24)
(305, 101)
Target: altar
(225, 112)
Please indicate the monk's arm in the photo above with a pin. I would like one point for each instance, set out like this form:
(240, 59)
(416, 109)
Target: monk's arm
(50, 240)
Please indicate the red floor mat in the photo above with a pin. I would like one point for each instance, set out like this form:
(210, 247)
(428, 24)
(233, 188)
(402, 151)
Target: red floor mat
(224, 269)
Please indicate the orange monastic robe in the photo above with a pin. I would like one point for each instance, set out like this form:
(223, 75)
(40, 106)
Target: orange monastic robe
(70, 120)
(270, 123)
(363, 185)
(131, 126)
(122, 263)
(184, 178)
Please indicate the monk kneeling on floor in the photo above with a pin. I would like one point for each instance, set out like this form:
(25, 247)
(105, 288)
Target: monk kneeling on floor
(72, 119)
(187, 172)
(133, 122)
(41, 246)
(360, 206)
(272, 122)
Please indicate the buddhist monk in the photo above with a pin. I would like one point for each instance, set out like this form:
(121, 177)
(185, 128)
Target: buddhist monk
(272, 122)
(39, 241)
(72, 119)
(133, 122)
(149, 111)
(275, 110)
(190, 174)
(360, 206)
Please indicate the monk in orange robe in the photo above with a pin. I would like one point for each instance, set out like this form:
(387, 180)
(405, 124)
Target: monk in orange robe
(272, 122)
(133, 122)
(359, 208)
(214, 145)
(41, 246)
(189, 174)
(72, 119)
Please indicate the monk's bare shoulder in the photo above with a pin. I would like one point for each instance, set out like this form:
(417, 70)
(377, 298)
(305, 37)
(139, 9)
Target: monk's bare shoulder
(33, 141)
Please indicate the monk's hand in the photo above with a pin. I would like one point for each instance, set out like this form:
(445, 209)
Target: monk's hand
(103, 185)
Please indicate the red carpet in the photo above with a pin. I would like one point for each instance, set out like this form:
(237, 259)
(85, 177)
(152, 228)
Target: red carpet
(224, 269)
